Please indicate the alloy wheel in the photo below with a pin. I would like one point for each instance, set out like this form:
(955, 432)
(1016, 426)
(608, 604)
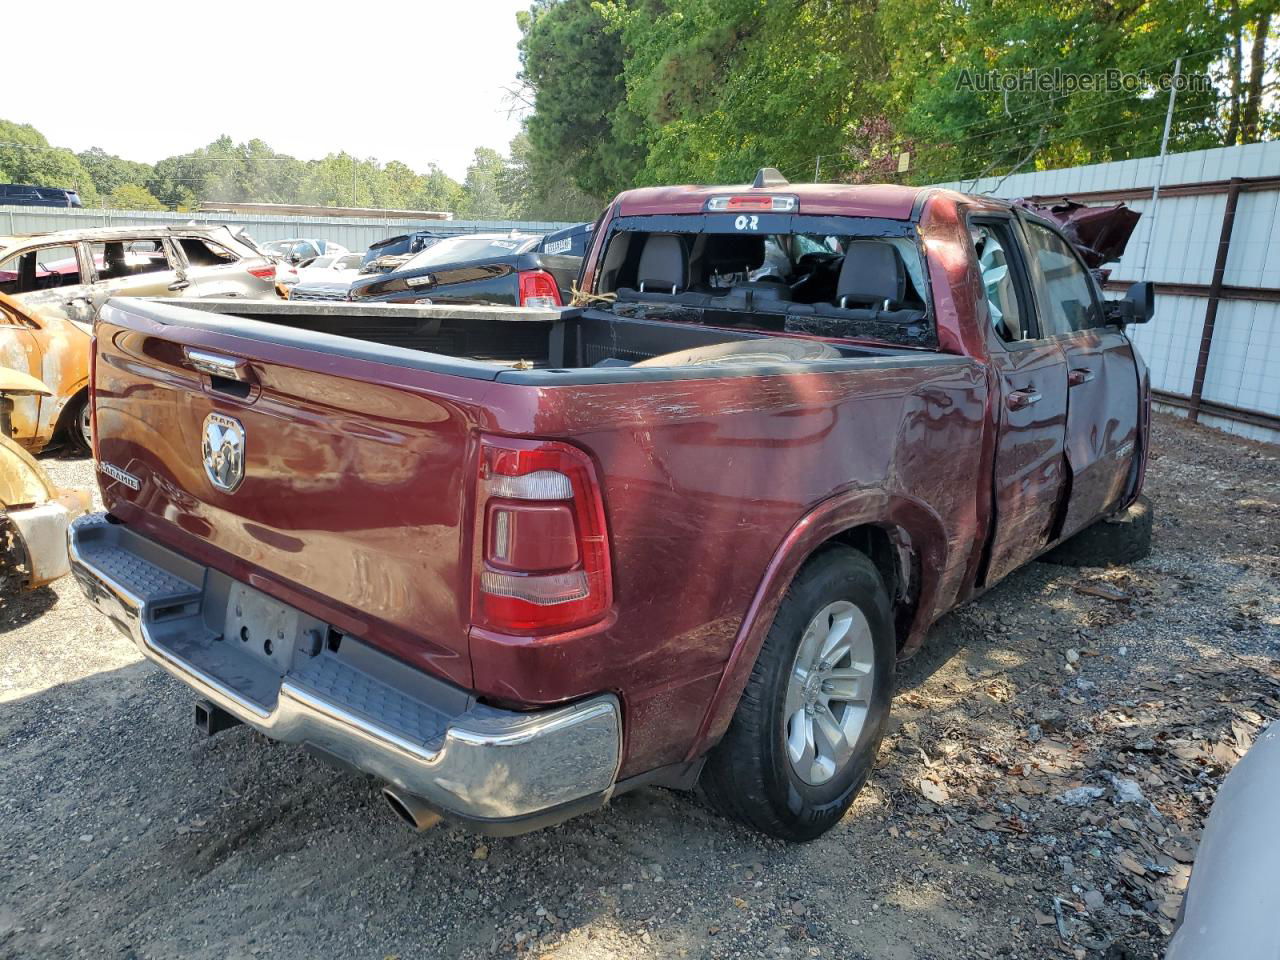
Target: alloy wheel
(829, 692)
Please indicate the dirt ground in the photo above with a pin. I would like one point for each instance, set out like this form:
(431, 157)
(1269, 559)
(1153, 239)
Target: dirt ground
(124, 834)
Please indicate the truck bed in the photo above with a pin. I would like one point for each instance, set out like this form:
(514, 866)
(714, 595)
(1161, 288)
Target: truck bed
(506, 343)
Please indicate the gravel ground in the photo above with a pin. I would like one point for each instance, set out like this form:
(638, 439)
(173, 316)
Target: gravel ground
(1053, 757)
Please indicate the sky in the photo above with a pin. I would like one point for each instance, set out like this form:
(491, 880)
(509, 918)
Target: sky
(417, 82)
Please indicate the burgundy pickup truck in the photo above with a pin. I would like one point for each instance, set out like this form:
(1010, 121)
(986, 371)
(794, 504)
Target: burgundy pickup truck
(514, 562)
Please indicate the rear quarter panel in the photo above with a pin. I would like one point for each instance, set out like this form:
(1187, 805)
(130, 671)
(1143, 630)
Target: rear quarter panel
(703, 482)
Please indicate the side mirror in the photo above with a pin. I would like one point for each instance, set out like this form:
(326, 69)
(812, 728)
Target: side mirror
(1137, 306)
(1143, 297)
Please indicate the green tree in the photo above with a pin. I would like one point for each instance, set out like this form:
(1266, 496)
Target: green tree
(437, 191)
(109, 171)
(931, 84)
(482, 189)
(27, 157)
(572, 55)
(534, 189)
(130, 196)
(724, 87)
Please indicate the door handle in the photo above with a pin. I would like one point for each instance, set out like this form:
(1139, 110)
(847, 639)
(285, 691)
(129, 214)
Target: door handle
(179, 284)
(233, 368)
(1021, 399)
(1078, 376)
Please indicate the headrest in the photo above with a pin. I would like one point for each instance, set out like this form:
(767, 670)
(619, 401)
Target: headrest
(733, 252)
(663, 264)
(872, 273)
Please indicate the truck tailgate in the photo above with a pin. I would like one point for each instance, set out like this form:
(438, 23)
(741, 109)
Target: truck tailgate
(352, 499)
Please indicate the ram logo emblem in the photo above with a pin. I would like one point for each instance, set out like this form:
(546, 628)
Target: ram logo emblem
(223, 449)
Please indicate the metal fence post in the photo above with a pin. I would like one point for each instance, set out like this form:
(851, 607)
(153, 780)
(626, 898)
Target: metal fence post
(1215, 295)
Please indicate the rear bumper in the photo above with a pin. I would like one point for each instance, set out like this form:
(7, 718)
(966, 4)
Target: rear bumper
(499, 771)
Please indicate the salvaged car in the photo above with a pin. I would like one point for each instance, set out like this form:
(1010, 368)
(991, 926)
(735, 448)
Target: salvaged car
(1232, 905)
(34, 514)
(515, 562)
(299, 250)
(385, 255)
(325, 278)
(497, 268)
(50, 283)
(45, 345)
(29, 195)
(76, 271)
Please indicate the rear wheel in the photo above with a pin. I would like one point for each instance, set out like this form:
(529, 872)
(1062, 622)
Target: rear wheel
(810, 721)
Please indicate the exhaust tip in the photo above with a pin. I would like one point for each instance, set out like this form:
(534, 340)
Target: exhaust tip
(412, 809)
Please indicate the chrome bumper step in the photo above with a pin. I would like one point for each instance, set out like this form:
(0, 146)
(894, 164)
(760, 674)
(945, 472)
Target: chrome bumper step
(273, 666)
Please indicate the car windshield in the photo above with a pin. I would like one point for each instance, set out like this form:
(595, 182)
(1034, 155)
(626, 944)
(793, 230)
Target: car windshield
(464, 248)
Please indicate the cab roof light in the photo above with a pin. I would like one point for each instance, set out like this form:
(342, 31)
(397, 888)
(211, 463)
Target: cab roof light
(761, 203)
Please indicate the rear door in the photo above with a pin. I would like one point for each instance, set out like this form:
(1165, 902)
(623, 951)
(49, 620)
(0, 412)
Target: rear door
(212, 269)
(140, 266)
(1032, 403)
(1102, 374)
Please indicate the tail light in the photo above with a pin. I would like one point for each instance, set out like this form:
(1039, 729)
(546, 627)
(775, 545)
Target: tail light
(267, 272)
(542, 546)
(539, 289)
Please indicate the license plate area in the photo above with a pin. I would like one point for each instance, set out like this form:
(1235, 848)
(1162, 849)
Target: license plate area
(263, 627)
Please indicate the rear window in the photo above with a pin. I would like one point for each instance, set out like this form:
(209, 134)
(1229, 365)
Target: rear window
(459, 249)
(828, 276)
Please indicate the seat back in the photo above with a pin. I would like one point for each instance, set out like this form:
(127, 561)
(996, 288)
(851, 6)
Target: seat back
(663, 267)
(872, 274)
(727, 253)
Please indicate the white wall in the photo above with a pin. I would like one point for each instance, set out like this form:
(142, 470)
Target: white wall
(1244, 362)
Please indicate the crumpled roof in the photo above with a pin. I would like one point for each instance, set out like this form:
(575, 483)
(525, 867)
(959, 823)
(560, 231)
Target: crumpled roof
(1099, 233)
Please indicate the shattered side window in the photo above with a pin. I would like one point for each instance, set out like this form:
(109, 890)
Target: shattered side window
(1003, 307)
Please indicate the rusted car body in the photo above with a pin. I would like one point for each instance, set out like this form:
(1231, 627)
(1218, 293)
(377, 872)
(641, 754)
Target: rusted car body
(34, 514)
(52, 286)
(514, 562)
(46, 345)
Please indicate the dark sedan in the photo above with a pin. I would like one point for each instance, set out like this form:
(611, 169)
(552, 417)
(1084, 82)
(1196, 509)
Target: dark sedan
(498, 268)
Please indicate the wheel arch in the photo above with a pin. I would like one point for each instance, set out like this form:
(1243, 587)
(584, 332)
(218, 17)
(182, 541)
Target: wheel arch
(64, 415)
(903, 537)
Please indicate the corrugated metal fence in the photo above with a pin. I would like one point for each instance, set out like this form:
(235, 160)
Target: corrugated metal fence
(1214, 345)
(352, 232)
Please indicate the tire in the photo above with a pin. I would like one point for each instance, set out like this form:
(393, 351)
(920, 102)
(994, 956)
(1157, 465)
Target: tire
(1121, 538)
(76, 426)
(751, 776)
